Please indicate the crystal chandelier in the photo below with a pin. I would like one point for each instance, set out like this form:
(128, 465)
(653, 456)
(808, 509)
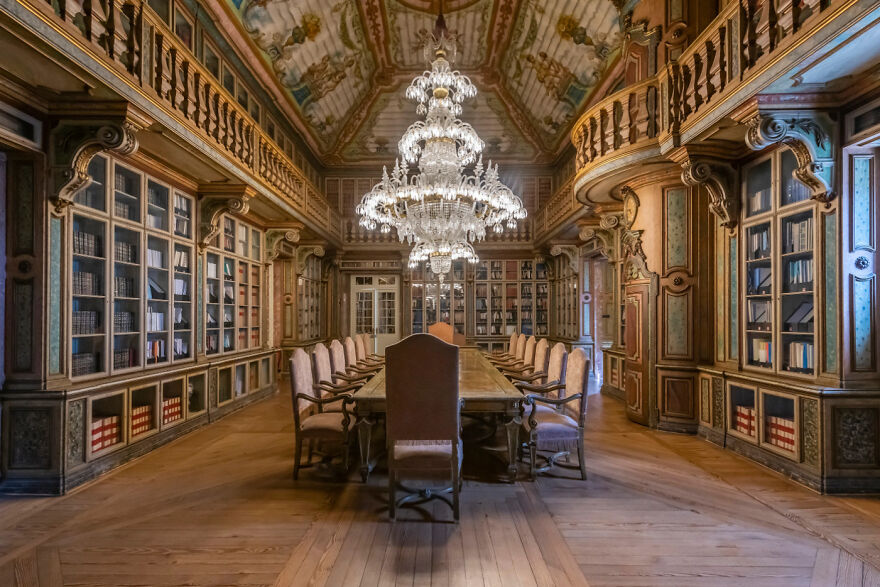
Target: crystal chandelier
(453, 199)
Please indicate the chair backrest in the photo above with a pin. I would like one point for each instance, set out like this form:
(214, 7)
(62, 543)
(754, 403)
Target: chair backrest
(421, 389)
(520, 347)
(368, 343)
(443, 331)
(511, 346)
(359, 349)
(350, 352)
(337, 358)
(529, 355)
(576, 379)
(542, 354)
(300, 379)
(556, 365)
(323, 368)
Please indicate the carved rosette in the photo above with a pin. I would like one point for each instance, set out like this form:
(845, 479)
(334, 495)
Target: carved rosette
(719, 179)
(72, 145)
(809, 136)
(276, 237)
(570, 251)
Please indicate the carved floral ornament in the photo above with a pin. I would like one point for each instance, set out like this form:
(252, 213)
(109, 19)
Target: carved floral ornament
(809, 136)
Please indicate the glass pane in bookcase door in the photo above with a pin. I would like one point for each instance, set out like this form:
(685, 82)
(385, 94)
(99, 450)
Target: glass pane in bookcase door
(255, 245)
(526, 308)
(445, 291)
(540, 271)
(525, 270)
(496, 305)
(126, 194)
(243, 240)
(157, 206)
(143, 411)
(240, 380)
(510, 270)
(797, 252)
(228, 269)
(430, 303)
(779, 425)
(183, 215)
(759, 182)
(496, 270)
(196, 394)
(94, 195)
(181, 345)
(792, 191)
(458, 307)
(228, 339)
(224, 385)
(418, 308)
(458, 270)
(511, 308)
(229, 235)
(482, 270)
(253, 376)
(255, 275)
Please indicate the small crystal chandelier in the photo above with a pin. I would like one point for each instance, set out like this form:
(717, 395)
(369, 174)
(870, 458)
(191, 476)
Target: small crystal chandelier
(453, 199)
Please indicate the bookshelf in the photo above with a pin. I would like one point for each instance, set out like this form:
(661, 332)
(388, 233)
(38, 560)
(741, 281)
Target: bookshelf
(126, 259)
(779, 243)
(566, 300)
(309, 296)
(233, 289)
(511, 295)
(433, 301)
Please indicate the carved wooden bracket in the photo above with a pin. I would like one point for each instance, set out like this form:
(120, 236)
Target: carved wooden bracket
(303, 253)
(569, 251)
(276, 237)
(216, 200)
(634, 255)
(809, 134)
(77, 136)
(588, 230)
(611, 221)
(720, 180)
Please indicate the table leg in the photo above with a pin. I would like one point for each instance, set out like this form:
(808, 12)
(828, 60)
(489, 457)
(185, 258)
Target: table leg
(513, 426)
(365, 438)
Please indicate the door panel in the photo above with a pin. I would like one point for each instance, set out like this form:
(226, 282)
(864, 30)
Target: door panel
(375, 309)
(637, 379)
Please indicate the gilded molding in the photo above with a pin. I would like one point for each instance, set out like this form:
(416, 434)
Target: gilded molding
(303, 253)
(719, 179)
(73, 143)
(276, 237)
(809, 134)
(570, 251)
(216, 201)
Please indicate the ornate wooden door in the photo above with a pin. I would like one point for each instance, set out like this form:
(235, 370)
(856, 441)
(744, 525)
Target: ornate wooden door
(639, 336)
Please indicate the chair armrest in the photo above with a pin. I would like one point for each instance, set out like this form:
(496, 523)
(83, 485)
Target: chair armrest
(349, 378)
(345, 398)
(534, 400)
(514, 371)
(546, 388)
(336, 389)
(523, 378)
(364, 370)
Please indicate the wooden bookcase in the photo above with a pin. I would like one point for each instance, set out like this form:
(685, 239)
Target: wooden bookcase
(131, 260)
(433, 301)
(309, 290)
(233, 289)
(566, 300)
(511, 296)
(779, 301)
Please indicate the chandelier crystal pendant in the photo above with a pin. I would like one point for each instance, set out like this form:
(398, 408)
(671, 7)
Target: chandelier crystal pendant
(451, 200)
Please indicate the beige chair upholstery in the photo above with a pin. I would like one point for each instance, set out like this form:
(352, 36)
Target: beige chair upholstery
(506, 355)
(352, 367)
(323, 426)
(559, 428)
(361, 353)
(368, 349)
(423, 419)
(552, 373)
(519, 353)
(323, 373)
(524, 361)
(443, 331)
(340, 366)
(535, 352)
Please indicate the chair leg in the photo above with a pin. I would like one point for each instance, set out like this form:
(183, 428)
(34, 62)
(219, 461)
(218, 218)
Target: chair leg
(297, 454)
(392, 497)
(311, 448)
(533, 454)
(581, 460)
(456, 488)
(346, 451)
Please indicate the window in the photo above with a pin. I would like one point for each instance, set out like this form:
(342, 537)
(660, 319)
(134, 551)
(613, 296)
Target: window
(211, 59)
(162, 8)
(255, 111)
(243, 96)
(183, 28)
(228, 80)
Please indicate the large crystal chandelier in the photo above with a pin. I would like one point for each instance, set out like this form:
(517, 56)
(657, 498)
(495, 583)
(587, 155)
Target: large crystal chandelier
(453, 199)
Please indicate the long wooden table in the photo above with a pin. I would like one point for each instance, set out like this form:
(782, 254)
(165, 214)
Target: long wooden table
(481, 387)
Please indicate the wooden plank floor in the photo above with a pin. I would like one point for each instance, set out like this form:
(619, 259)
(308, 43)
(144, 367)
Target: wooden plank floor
(218, 507)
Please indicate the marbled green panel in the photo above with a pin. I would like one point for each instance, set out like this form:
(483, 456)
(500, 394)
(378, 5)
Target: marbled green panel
(677, 325)
(54, 275)
(719, 296)
(863, 336)
(734, 300)
(831, 295)
(676, 228)
(863, 234)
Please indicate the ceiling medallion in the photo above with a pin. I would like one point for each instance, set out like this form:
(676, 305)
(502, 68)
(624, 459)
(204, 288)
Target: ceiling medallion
(452, 199)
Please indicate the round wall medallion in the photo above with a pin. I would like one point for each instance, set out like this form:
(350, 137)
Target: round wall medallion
(862, 263)
(677, 281)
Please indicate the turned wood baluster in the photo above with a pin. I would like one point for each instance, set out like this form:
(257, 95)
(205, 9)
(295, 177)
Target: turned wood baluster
(110, 29)
(773, 30)
(697, 87)
(172, 92)
(616, 118)
(197, 100)
(185, 102)
(158, 64)
(722, 59)
(133, 63)
(710, 63)
(593, 130)
(603, 131)
(651, 107)
(685, 83)
(87, 19)
(633, 116)
(215, 122)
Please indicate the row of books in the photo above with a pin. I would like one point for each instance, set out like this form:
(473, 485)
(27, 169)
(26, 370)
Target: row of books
(84, 321)
(125, 184)
(172, 409)
(156, 350)
(180, 347)
(798, 236)
(744, 420)
(181, 226)
(86, 243)
(124, 287)
(181, 322)
(125, 252)
(800, 272)
(181, 261)
(123, 210)
(83, 364)
(759, 201)
(124, 322)
(86, 283)
(156, 221)
(759, 243)
(155, 321)
(762, 351)
(155, 259)
(154, 197)
(801, 318)
(181, 288)
(759, 280)
(124, 358)
(759, 312)
(182, 206)
(141, 419)
(780, 432)
(800, 355)
(105, 432)
(156, 290)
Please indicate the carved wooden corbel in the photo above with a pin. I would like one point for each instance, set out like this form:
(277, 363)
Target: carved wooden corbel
(810, 137)
(569, 251)
(303, 253)
(74, 141)
(720, 180)
(276, 237)
(216, 200)
(588, 230)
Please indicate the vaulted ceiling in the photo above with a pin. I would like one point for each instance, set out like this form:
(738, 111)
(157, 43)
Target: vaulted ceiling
(344, 66)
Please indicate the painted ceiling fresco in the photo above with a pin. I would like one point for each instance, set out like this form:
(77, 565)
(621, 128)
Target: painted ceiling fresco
(346, 63)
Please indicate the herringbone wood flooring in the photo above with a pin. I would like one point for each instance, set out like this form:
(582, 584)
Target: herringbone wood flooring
(218, 507)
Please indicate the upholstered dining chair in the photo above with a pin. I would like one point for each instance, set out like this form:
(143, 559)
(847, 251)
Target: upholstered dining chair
(539, 357)
(443, 331)
(361, 354)
(508, 354)
(325, 425)
(558, 428)
(368, 349)
(554, 372)
(523, 362)
(423, 428)
(341, 375)
(518, 352)
(352, 367)
(323, 377)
